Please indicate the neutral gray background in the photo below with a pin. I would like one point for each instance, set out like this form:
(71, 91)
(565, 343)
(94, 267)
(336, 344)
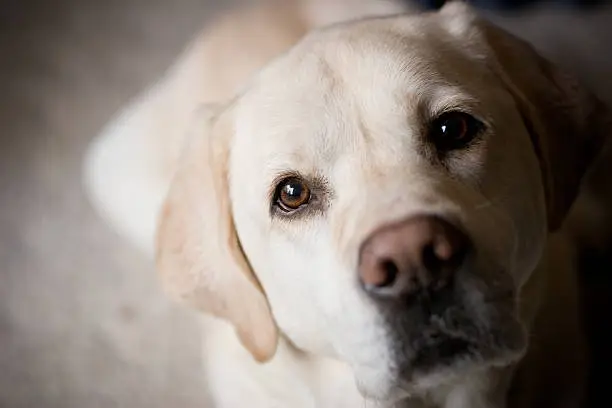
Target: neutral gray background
(82, 321)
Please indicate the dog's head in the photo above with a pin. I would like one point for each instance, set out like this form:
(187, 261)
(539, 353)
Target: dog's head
(380, 194)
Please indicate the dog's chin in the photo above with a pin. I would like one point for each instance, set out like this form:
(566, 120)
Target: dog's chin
(472, 328)
(443, 358)
(440, 362)
(451, 357)
(445, 349)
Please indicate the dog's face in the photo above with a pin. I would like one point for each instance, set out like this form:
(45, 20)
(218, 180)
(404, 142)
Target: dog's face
(385, 189)
(375, 135)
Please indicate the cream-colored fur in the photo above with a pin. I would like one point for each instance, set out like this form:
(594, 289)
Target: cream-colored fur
(345, 105)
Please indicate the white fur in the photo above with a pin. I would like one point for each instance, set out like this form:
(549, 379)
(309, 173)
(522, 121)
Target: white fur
(376, 77)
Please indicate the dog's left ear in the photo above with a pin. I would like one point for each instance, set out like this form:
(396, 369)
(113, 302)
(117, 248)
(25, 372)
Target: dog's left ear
(568, 125)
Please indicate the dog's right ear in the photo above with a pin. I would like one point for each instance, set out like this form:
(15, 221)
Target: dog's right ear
(568, 124)
(199, 256)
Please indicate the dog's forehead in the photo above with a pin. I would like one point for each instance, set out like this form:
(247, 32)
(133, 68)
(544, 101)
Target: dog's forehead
(344, 81)
(380, 54)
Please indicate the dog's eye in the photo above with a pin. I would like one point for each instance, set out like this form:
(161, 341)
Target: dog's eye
(291, 194)
(454, 130)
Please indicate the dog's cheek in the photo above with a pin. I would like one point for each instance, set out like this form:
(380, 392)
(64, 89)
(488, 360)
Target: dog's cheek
(294, 274)
(314, 294)
(320, 308)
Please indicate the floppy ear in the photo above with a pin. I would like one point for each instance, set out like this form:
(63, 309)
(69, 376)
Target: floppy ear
(566, 122)
(199, 257)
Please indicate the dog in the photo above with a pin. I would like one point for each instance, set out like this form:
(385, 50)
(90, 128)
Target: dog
(369, 209)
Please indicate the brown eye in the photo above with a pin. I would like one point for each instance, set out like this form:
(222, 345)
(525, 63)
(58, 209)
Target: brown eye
(454, 130)
(291, 194)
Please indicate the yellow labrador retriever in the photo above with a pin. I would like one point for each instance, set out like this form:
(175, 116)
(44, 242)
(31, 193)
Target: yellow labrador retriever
(374, 220)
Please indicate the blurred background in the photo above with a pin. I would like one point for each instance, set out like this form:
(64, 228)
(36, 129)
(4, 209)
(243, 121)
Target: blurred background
(82, 320)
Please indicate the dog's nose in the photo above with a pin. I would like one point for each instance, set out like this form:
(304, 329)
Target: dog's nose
(405, 258)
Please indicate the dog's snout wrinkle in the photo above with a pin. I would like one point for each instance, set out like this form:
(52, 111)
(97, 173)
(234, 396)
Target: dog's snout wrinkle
(411, 258)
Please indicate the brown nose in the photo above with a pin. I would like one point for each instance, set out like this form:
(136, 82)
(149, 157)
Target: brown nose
(405, 258)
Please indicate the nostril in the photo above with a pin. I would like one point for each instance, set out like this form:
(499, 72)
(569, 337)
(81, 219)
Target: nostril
(416, 255)
(380, 274)
(390, 272)
(430, 258)
(442, 257)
